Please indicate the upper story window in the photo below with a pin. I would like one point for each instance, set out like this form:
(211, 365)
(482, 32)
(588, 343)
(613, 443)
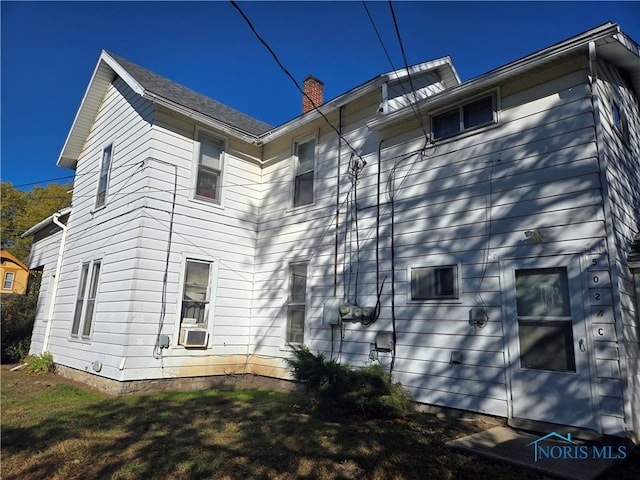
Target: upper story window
(434, 283)
(103, 181)
(304, 165)
(209, 174)
(474, 114)
(86, 299)
(620, 122)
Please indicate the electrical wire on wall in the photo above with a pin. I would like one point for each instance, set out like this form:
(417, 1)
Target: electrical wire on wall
(157, 350)
(392, 189)
(487, 248)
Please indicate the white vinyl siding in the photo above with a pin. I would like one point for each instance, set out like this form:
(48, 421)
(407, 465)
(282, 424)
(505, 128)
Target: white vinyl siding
(458, 209)
(619, 363)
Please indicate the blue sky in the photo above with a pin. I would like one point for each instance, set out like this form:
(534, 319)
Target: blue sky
(49, 51)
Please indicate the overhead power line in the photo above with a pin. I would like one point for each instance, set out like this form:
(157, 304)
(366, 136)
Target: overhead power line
(406, 66)
(288, 74)
(373, 24)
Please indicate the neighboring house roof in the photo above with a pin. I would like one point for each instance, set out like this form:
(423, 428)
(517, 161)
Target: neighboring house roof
(5, 255)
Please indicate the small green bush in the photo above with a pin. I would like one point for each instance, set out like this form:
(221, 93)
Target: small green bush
(18, 315)
(39, 364)
(368, 390)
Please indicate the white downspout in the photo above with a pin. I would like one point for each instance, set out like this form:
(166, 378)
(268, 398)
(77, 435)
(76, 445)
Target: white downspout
(56, 280)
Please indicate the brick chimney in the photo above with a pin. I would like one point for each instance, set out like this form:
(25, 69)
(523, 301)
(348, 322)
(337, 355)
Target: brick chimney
(314, 90)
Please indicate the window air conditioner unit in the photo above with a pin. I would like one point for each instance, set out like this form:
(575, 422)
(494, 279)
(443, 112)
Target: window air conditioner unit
(194, 337)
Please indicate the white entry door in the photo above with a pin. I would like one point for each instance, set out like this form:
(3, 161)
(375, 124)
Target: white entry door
(548, 351)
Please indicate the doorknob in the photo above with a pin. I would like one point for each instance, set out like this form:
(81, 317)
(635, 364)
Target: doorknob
(582, 346)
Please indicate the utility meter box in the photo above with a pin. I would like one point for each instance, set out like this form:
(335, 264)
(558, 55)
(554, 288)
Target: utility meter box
(384, 341)
(331, 313)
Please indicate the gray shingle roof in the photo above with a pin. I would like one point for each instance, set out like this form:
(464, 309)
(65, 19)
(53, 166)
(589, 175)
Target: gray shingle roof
(176, 93)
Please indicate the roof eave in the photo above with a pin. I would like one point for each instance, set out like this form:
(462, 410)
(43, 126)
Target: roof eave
(105, 71)
(202, 118)
(498, 75)
(443, 64)
(46, 222)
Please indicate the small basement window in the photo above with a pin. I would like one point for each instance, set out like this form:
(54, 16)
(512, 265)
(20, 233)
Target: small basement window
(434, 283)
(471, 115)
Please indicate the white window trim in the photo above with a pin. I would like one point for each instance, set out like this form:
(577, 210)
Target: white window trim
(436, 301)
(295, 166)
(219, 203)
(286, 343)
(495, 94)
(213, 287)
(97, 207)
(4, 280)
(79, 336)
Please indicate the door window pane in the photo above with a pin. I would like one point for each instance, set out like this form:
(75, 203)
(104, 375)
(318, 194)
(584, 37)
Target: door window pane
(547, 345)
(545, 326)
(543, 292)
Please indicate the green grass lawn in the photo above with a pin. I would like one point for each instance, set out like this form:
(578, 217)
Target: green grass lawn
(55, 429)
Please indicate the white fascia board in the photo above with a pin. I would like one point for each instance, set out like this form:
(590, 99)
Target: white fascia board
(623, 52)
(122, 73)
(202, 118)
(357, 92)
(46, 222)
(323, 109)
(103, 74)
(438, 63)
(500, 74)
